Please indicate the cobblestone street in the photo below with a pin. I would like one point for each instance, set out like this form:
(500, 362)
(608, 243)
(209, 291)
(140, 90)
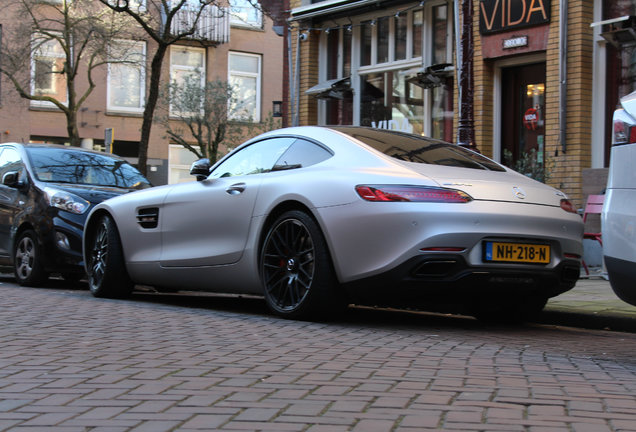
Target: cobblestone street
(71, 362)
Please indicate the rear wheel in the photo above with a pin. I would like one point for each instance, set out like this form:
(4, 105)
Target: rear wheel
(296, 271)
(510, 311)
(27, 262)
(107, 276)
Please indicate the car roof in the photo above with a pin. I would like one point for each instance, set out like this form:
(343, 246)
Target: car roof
(59, 147)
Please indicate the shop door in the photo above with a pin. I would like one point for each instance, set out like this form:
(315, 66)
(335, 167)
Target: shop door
(523, 118)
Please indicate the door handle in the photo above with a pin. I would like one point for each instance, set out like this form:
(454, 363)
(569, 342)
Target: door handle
(236, 188)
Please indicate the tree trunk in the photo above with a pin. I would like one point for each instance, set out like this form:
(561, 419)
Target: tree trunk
(71, 128)
(151, 104)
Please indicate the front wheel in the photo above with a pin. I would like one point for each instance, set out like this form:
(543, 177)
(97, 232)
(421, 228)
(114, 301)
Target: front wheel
(27, 262)
(296, 271)
(106, 271)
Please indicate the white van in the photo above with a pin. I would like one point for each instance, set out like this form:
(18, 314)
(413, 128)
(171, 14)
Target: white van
(619, 210)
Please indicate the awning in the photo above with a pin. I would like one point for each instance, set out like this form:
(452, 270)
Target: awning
(331, 89)
(327, 7)
(621, 30)
(431, 76)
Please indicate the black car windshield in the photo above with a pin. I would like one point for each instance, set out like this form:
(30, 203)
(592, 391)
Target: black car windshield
(58, 165)
(419, 149)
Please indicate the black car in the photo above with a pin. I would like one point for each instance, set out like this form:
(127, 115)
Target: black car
(46, 193)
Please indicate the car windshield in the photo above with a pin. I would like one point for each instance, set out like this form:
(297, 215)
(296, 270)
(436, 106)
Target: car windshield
(419, 149)
(84, 168)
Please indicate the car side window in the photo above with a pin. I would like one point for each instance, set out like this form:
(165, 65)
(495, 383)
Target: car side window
(254, 159)
(302, 153)
(10, 160)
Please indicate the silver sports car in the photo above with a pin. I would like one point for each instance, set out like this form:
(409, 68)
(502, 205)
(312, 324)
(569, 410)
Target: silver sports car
(316, 218)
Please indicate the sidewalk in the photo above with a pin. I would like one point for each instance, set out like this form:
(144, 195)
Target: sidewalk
(590, 304)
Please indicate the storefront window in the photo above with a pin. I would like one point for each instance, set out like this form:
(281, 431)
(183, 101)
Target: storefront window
(442, 112)
(384, 94)
(440, 30)
(418, 23)
(388, 101)
(383, 40)
(400, 37)
(333, 43)
(365, 43)
(346, 53)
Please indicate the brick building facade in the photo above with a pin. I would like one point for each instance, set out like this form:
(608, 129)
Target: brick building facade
(250, 52)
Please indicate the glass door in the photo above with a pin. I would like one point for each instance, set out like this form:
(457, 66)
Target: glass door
(523, 119)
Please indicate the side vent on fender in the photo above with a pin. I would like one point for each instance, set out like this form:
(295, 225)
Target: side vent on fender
(148, 217)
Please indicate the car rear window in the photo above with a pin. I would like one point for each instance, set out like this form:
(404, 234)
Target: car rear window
(84, 168)
(419, 149)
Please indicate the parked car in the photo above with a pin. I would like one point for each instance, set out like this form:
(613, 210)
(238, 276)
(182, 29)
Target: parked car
(618, 219)
(313, 218)
(46, 193)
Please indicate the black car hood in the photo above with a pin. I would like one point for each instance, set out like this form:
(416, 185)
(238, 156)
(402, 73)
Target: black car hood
(91, 193)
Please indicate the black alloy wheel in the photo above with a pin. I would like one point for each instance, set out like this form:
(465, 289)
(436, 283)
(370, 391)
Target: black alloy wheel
(296, 271)
(107, 276)
(27, 262)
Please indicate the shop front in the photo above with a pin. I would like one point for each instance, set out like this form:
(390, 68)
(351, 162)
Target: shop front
(514, 41)
(385, 66)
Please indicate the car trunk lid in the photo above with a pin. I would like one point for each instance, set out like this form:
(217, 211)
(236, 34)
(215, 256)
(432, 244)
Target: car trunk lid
(487, 185)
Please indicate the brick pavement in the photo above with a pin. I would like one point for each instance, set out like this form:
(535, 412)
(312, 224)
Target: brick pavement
(70, 362)
(591, 304)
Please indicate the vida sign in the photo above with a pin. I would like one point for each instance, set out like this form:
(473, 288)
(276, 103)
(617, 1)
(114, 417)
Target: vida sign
(502, 15)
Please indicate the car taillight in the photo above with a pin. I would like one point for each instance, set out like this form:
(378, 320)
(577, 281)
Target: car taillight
(624, 133)
(568, 206)
(394, 193)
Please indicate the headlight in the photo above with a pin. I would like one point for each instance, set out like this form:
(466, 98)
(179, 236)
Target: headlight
(66, 201)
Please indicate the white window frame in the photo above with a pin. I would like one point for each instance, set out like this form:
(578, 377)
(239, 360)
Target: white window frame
(35, 53)
(186, 68)
(237, 19)
(142, 85)
(172, 178)
(256, 118)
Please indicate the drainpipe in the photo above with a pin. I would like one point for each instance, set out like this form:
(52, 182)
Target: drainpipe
(299, 38)
(464, 64)
(289, 68)
(563, 72)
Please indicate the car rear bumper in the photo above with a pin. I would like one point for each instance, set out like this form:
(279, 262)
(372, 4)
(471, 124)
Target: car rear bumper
(622, 276)
(448, 278)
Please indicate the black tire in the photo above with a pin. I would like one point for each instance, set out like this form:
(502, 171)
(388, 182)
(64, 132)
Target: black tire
(106, 270)
(510, 312)
(27, 262)
(296, 271)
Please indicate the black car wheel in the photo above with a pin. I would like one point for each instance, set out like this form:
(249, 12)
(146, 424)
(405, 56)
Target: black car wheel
(296, 271)
(107, 276)
(509, 311)
(27, 262)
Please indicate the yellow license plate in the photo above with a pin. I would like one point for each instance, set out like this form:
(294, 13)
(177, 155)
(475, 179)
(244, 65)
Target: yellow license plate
(517, 252)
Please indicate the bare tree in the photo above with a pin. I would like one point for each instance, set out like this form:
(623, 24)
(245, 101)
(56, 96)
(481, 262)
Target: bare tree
(211, 114)
(159, 19)
(54, 44)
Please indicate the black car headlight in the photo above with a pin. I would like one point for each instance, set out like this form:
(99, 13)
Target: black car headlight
(66, 201)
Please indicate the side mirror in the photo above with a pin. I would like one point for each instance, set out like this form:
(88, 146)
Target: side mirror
(201, 169)
(12, 179)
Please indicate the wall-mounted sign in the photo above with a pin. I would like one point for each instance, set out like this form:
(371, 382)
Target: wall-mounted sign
(515, 42)
(502, 15)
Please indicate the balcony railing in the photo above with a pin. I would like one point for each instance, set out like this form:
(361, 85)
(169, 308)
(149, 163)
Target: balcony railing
(213, 25)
